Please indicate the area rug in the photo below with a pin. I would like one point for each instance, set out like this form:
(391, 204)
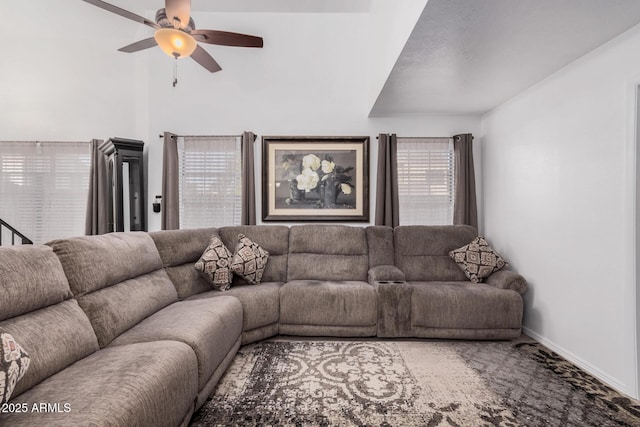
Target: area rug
(410, 383)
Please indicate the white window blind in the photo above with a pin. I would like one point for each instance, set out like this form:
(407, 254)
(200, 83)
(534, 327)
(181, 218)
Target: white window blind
(44, 188)
(425, 181)
(209, 181)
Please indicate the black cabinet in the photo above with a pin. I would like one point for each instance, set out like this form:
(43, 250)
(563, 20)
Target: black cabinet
(125, 175)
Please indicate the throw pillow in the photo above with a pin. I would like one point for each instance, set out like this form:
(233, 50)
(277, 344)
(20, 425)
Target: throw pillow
(249, 260)
(14, 362)
(477, 259)
(215, 264)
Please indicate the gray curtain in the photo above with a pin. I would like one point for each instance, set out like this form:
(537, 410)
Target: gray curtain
(465, 209)
(170, 217)
(248, 214)
(387, 204)
(97, 219)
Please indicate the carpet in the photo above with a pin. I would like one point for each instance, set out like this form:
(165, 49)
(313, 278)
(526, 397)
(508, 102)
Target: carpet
(410, 383)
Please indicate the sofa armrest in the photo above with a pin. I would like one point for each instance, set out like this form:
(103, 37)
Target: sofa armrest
(385, 273)
(506, 279)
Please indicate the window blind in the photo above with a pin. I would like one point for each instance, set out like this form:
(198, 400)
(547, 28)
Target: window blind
(425, 181)
(44, 188)
(209, 181)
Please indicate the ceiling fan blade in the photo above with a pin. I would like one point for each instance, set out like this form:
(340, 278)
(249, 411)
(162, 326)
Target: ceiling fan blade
(226, 38)
(140, 45)
(180, 9)
(125, 13)
(203, 58)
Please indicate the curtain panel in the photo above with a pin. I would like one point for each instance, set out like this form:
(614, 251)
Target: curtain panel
(248, 212)
(170, 216)
(97, 217)
(387, 204)
(465, 209)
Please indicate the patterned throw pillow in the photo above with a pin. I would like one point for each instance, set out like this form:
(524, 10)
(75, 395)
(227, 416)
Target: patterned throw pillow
(249, 260)
(14, 362)
(215, 265)
(477, 259)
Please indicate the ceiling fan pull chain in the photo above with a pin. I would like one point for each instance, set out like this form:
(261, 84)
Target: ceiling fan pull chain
(175, 72)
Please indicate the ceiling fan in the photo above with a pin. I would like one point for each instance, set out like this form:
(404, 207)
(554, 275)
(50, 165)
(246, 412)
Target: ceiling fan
(176, 33)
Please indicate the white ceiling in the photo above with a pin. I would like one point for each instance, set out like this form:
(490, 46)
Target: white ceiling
(258, 6)
(469, 56)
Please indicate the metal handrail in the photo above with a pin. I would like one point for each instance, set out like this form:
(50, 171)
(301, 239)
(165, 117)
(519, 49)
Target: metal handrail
(24, 239)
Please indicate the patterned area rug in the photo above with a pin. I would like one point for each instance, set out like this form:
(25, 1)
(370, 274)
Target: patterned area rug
(410, 383)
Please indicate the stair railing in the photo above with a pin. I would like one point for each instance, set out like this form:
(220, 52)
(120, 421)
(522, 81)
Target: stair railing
(24, 240)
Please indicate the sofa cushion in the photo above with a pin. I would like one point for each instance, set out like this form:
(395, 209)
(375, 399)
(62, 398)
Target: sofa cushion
(148, 384)
(464, 305)
(272, 238)
(335, 303)
(14, 362)
(249, 260)
(327, 252)
(422, 252)
(31, 277)
(210, 327)
(477, 259)
(260, 303)
(380, 243)
(179, 250)
(215, 264)
(117, 279)
(55, 337)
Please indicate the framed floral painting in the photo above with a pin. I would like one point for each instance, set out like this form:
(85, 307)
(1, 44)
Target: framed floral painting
(315, 178)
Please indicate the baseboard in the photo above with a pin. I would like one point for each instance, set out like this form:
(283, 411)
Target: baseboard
(611, 382)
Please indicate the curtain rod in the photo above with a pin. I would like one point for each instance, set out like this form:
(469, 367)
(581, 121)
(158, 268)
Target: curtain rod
(422, 137)
(199, 136)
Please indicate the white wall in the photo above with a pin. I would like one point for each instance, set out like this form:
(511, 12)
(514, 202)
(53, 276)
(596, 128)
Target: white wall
(311, 78)
(61, 77)
(559, 180)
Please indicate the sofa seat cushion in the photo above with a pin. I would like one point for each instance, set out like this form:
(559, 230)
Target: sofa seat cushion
(464, 305)
(328, 303)
(210, 327)
(148, 384)
(260, 303)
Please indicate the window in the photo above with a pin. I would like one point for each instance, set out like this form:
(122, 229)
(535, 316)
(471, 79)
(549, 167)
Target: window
(209, 181)
(44, 188)
(425, 181)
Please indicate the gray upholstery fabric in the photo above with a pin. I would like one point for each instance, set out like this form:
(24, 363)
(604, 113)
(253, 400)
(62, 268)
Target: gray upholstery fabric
(328, 252)
(272, 238)
(151, 384)
(464, 305)
(385, 273)
(54, 337)
(466, 334)
(96, 262)
(506, 279)
(422, 252)
(260, 303)
(117, 308)
(261, 333)
(177, 247)
(394, 309)
(207, 389)
(210, 327)
(380, 243)
(321, 303)
(327, 331)
(31, 277)
(179, 251)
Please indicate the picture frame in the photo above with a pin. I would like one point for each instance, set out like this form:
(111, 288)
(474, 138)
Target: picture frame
(307, 178)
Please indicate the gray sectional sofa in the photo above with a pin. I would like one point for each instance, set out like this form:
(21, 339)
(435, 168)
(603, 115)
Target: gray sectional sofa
(122, 330)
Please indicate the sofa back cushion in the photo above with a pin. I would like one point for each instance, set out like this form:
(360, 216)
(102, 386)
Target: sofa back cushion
(179, 251)
(37, 308)
(380, 242)
(117, 279)
(327, 252)
(422, 252)
(272, 238)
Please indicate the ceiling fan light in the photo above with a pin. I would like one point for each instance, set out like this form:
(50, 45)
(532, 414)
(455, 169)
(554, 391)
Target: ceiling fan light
(175, 43)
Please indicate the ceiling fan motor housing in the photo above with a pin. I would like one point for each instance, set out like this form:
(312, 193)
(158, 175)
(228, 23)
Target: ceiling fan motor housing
(165, 22)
